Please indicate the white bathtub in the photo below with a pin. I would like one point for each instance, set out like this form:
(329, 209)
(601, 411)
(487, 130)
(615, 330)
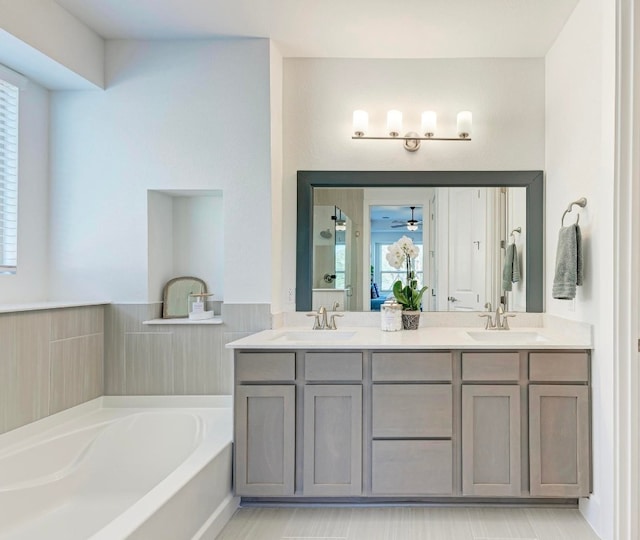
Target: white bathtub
(147, 468)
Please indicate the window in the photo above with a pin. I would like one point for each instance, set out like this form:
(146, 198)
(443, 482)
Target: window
(8, 177)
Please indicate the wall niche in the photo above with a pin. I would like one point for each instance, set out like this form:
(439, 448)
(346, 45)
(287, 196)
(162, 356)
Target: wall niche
(185, 238)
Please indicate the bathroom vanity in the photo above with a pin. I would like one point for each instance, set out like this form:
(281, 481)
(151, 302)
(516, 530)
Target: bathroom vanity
(363, 414)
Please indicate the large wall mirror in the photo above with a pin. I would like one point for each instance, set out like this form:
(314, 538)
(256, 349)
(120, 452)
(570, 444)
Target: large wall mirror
(480, 235)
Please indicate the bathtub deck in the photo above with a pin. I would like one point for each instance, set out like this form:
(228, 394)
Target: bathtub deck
(77, 519)
(126, 467)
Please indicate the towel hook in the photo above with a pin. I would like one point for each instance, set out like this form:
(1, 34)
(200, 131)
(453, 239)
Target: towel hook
(516, 230)
(581, 202)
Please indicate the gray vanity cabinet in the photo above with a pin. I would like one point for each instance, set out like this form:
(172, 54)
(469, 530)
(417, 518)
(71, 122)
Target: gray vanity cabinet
(332, 424)
(559, 437)
(491, 424)
(264, 424)
(332, 440)
(412, 424)
(491, 440)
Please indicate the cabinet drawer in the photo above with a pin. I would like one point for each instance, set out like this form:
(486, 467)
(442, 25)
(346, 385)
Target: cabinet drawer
(411, 366)
(412, 468)
(333, 366)
(565, 367)
(491, 366)
(265, 367)
(412, 410)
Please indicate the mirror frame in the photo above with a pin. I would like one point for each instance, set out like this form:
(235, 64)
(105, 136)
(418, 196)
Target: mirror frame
(533, 181)
(167, 312)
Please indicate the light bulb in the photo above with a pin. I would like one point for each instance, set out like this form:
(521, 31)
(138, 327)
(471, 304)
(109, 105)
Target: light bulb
(394, 123)
(429, 120)
(464, 124)
(360, 122)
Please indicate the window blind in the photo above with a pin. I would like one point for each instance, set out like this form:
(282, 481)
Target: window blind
(8, 177)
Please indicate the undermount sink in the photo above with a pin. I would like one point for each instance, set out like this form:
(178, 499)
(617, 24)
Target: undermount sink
(506, 336)
(315, 335)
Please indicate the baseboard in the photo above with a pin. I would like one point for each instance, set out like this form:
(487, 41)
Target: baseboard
(446, 502)
(216, 522)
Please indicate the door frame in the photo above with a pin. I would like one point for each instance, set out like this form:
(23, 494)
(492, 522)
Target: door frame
(626, 269)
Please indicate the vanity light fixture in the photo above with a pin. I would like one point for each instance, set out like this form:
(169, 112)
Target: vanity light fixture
(412, 139)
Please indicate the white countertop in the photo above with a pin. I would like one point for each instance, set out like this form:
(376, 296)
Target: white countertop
(474, 338)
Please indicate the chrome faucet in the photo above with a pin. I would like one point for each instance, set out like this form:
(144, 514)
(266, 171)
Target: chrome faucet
(497, 323)
(320, 321)
(501, 319)
(505, 322)
(320, 318)
(332, 321)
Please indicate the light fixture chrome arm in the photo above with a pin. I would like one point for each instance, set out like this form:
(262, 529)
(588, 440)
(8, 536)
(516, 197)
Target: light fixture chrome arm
(409, 137)
(412, 140)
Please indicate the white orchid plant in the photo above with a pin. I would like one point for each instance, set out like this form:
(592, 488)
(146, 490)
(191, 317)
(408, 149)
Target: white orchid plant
(402, 254)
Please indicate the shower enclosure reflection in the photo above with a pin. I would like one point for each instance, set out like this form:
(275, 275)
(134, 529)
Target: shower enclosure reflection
(336, 256)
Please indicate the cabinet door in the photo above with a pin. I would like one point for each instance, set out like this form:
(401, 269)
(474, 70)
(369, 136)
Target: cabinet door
(332, 440)
(559, 440)
(264, 440)
(491, 440)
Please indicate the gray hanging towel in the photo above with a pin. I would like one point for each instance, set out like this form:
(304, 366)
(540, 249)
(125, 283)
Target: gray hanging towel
(569, 263)
(511, 268)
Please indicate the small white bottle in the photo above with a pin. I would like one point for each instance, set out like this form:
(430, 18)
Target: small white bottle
(197, 306)
(390, 316)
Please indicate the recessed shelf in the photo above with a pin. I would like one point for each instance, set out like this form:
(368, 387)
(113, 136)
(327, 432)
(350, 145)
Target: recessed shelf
(215, 320)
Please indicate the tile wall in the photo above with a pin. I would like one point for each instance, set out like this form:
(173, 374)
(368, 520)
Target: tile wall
(174, 359)
(54, 359)
(50, 360)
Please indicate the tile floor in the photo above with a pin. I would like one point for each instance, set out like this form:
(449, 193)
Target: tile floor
(407, 523)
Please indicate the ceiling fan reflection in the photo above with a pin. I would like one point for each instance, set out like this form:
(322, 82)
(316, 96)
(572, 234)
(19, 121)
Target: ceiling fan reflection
(410, 224)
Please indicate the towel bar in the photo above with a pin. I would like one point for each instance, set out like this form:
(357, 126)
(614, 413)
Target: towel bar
(581, 202)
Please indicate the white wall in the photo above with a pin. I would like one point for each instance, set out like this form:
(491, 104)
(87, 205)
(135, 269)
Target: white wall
(175, 115)
(580, 75)
(506, 97)
(46, 43)
(275, 95)
(29, 284)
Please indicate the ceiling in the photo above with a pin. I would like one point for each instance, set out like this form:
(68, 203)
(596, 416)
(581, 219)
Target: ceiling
(393, 218)
(342, 28)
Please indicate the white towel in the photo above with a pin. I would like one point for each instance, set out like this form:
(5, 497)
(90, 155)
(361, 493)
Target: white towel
(511, 268)
(569, 263)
